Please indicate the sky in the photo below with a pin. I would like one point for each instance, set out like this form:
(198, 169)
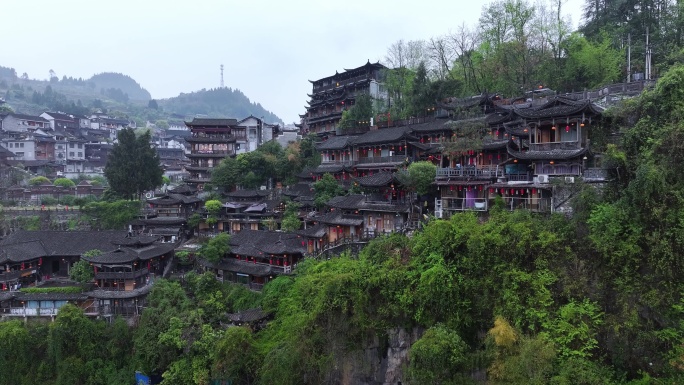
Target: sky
(269, 49)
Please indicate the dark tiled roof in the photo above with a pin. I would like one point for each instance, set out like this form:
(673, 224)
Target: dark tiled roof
(250, 315)
(550, 155)
(247, 242)
(328, 168)
(138, 240)
(127, 254)
(559, 106)
(385, 135)
(243, 267)
(299, 189)
(23, 251)
(336, 143)
(248, 194)
(316, 231)
(376, 180)
(212, 122)
(164, 221)
(5, 153)
(340, 219)
(66, 243)
(182, 189)
(60, 116)
(365, 203)
(433, 126)
(119, 294)
(28, 117)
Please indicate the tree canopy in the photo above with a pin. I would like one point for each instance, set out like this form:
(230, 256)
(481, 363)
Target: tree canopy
(133, 165)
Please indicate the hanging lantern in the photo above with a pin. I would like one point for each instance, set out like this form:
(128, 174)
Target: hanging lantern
(490, 156)
(451, 188)
(502, 191)
(534, 191)
(567, 128)
(470, 188)
(498, 156)
(491, 190)
(481, 187)
(460, 188)
(512, 191)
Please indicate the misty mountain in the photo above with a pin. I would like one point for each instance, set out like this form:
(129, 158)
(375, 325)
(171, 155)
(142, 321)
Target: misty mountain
(109, 82)
(217, 102)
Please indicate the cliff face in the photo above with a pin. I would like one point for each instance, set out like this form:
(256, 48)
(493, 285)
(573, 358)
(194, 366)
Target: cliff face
(380, 362)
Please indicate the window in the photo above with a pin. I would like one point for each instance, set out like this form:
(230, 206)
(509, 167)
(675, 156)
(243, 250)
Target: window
(71, 154)
(80, 145)
(10, 145)
(21, 145)
(19, 154)
(80, 154)
(71, 145)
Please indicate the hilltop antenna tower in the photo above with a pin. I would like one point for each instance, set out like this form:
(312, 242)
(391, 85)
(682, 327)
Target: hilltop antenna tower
(222, 76)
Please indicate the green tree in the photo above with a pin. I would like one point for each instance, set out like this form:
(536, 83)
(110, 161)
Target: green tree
(133, 165)
(111, 215)
(39, 180)
(359, 114)
(81, 272)
(419, 177)
(216, 248)
(438, 357)
(291, 220)
(326, 189)
(237, 357)
(64, 182)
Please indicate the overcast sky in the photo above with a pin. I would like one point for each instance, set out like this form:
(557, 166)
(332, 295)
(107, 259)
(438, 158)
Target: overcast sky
(269, 48)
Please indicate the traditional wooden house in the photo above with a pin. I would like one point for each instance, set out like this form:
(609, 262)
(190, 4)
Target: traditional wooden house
(360, 216)
(212, 140)
(337, 158)
(247, 210)
(256, 256)
(131, 264)
(386, 149)
(43, 258)
(174, 205)
(332, 95)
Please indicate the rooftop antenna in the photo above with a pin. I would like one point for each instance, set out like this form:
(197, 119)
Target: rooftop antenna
(222, 76)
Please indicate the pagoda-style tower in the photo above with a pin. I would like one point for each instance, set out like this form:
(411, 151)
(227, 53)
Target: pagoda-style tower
(212, 140)
(333, 94)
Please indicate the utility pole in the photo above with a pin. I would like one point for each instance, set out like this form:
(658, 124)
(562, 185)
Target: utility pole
(648, 58)
(629, 57)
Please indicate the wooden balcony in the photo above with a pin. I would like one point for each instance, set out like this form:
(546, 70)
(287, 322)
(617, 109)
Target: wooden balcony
(470, 172)
(382, 159)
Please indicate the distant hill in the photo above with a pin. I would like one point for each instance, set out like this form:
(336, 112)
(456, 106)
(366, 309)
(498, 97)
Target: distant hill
(121, 96)
(217, 102)
(113, 81)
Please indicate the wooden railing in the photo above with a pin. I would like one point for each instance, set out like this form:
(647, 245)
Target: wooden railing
(468, 172)
(382, 159)
(463, 204)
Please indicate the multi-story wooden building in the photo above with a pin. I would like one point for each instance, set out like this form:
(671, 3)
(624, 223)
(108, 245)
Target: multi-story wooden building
(333, 94)
(212, 140)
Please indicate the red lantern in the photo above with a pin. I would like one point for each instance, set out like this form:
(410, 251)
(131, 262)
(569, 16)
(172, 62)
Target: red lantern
(567, 128)
(40, 261)
(22, 265)
(534, 191)
(481, 187)
(491, 190)
(502, 191)
(451, 188)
